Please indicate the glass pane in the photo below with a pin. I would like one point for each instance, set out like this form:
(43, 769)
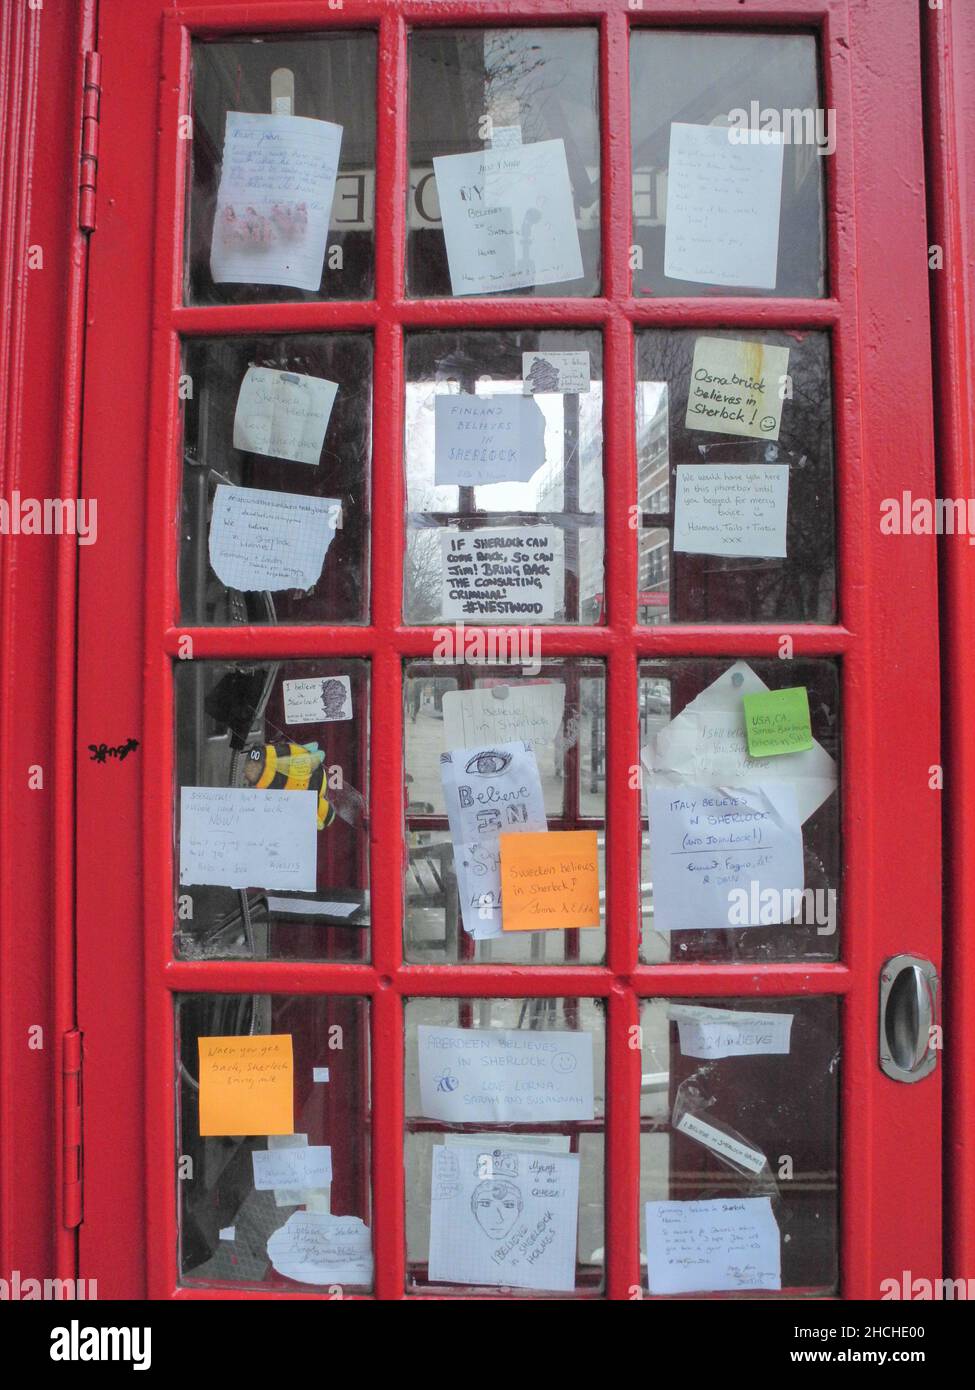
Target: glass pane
(504, 162)
(739, 1108)
(298, 729)
(454, 906)
(735, 482)
(277, 448)
(526, 543)
(727, 134)
(285, 1210)
(746, 865)
(513, 1203)
(282, 189)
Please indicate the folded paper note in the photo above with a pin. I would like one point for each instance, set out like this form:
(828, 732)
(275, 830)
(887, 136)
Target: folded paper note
(246, 1085)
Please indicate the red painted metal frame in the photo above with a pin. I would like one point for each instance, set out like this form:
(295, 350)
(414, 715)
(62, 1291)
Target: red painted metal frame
(887, 644)
(949, 52)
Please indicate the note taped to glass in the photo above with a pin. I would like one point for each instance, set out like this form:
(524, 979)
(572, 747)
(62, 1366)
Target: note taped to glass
(777, 721)
(549, 880)
(736, 387)
(262, 540)
(247, 1085)
(283, 414)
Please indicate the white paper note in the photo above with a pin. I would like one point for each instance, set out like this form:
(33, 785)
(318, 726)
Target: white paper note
(566, 373)
(317, 700)
(263, 540)
(735, 387)
(505, 1075)
(287, 1196)
(274, 201)
(507, 574)
(723, 205)
(720, 1143)
(717, 1246)
(706, 745)
(319, 1075)
(714, 1033)
(708, 846)
(317, 1248)
(508, 218)
(487, 439)
(732, 509)
(488, 790)
(310, 1166)
(283, 414)
(242, 837)
(490, 1142)
(504, 714)
(517, 1227)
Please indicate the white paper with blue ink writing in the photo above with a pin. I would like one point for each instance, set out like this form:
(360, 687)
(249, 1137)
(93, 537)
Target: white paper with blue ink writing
(244, 837)
(709, 845)
(508, 1218)
(739, 509)
(508, 218)
(318, 1248)
(277, 182)
(717, 1246)
(711, 1034)
(505, 712)
(488, 791)
(505, 1075)
(480, 440)
(266, 540)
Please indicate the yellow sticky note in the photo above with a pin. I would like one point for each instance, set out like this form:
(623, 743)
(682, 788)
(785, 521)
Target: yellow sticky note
(777, 721)
(735, 387)
(549, 878)
(247, 1085)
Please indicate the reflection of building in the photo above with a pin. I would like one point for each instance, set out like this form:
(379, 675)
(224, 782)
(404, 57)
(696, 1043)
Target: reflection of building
(573, 483)
(653, 496)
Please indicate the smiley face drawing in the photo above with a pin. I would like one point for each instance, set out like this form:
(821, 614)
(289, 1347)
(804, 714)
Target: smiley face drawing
(496, 1207)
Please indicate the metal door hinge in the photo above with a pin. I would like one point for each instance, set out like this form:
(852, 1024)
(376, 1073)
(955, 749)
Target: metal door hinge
(73, 1170)
(88, 171)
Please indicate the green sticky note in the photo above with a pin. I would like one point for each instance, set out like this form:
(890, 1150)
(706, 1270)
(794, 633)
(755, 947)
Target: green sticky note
(777, 721)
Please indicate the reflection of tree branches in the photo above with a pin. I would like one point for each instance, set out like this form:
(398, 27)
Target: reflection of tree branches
(422, 574)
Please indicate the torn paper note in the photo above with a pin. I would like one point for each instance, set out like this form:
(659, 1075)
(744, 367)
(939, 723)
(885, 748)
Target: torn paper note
(723, 203)
(503, 574)
(508, 218)
(504, 713)
(264, 540)
(317, 1248)
(487, 439)
(706, 745)
(299, 1167)
(517, 1227)
(505, 1075)
(736, 387)
(240, 837)
(283, 414)
(738, 509)
(277, 181)
(317, 700)
(246, 1084)
(566, 373)
(709, 846)
(711, 1034)
(718, 1246)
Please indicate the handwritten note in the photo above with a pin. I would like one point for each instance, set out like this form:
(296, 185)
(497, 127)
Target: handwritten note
(723, 205)
(317, 700)
(550, 880)
(504, 714)
(718, 1246)
(283, 414)
(505, 1075)
(777, 722)
(262, 540)
(711, 1034)
(274, 201)
(735, 387)
(731, 509)
(246, 1085)
(566, 373)
(516, 1227)
(508, 573)
(508, 218)
(315, 1247)
(737, 1153)
(240, 837)
(714, 853)
(487, 439)
(304, 1167)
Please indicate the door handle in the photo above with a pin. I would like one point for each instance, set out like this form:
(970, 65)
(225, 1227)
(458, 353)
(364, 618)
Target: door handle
(908, 1009)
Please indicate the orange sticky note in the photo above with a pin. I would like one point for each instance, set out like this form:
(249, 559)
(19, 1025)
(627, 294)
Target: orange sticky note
(247, 1085)
(549, 878)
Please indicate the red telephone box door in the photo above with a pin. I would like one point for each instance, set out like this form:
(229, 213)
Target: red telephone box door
(336, 1007)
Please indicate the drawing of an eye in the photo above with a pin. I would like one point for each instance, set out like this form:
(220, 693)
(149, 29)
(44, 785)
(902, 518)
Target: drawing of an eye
(488, 763)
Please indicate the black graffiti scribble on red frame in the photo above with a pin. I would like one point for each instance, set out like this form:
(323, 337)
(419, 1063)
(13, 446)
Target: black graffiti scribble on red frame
(100, 752)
